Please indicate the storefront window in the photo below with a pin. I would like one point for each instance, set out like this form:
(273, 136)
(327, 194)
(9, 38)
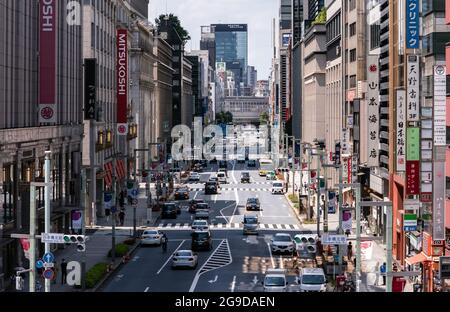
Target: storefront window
(7, 195)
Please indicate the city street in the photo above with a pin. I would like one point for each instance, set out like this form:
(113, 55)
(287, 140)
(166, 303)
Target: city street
(236, 262)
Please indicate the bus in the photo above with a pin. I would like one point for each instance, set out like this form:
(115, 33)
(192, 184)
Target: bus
(265, 165)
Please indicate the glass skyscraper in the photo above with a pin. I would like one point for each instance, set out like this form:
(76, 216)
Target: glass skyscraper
(232, 47)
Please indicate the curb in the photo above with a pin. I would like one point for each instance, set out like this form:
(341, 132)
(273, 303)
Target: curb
(299, 218)
(116, 268)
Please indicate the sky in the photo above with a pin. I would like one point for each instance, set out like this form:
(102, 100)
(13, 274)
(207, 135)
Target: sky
(258, 14)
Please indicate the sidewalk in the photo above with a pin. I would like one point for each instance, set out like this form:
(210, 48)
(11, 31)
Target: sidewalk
(100, 241)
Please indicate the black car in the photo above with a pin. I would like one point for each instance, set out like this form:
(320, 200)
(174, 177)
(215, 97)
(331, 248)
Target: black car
(253, 204)
(182, 193)
(223, 164)
(169, 211)
(193, 204)
(251, 163)
(201, 240)
(211, 188)
(245, 177)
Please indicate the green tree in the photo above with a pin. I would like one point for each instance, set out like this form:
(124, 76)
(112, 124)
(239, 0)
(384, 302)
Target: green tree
(183, 33)
(264, 118)
(321, 17)
(228, 117)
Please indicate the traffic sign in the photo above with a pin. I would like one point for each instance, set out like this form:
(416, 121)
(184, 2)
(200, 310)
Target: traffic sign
(49, 265)
(134, 202)
(52, 238)
(39, 264)
(134, 192)
(48, 257)
(49, 274)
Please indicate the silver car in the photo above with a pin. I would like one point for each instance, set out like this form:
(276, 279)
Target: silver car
(200, 225)
(184, 258)
(151, 237)
(251, 224)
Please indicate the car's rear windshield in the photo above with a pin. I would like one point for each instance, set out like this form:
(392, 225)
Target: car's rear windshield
(245, 174)
(184, 254)
(278, 185)
(202, 206)
(150, 233)
(169, 207)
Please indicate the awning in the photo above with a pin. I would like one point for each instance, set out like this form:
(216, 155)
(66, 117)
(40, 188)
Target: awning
(421, 257)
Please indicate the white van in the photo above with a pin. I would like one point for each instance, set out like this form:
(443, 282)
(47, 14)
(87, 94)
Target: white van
(312, 280)
(275, 280)
(278, 187)
(222, 177)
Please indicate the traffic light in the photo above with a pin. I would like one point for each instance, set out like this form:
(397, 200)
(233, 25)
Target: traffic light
(81, 247)
(74, 239)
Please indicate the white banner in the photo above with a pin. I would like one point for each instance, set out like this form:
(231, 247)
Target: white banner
(373, 111)
(344, 142)
(401, 131)
(440, 111)
(413, 86)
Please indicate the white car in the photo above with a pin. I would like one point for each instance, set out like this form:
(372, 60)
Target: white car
(275, 280)
(312, 280)
(200, 224)
(240, 158)
(222, 177)
(151, 237)
(194, 177)
(184, 258)
(277, 187)
(282, 242)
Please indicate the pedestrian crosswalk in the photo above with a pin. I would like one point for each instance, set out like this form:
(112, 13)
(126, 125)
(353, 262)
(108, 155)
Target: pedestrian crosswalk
(231, 189)
(230, 226)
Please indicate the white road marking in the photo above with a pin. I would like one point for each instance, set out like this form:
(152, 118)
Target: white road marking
(170, 258)
(233, 284)
(271, 256)
(236, 195)
(281, 263)
(196, 193)
(146, 289)
(215, 198)
(270, 226)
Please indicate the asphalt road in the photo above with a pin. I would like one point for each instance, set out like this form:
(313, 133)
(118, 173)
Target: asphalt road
(236, 262)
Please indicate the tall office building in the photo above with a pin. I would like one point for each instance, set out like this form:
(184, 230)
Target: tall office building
(232, 46)
(208, 43)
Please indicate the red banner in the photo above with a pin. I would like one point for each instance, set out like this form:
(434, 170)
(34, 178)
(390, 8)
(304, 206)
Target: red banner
(412, 177)
(122, 81)
(47, 61)
(349, 170)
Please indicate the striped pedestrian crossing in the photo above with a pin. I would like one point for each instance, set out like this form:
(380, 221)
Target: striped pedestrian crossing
(231, 189)
(230, 226)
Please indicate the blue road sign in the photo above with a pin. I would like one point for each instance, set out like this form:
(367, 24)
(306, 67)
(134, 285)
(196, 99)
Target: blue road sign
(48, 274)
(134, 192)
(49, 257)
(39, 264)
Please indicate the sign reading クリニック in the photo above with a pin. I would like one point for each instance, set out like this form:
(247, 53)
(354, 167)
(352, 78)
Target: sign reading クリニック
(413, 88)
(401, 130)
(47, 62)
(412, 24)
(373, 113)
(122, 81)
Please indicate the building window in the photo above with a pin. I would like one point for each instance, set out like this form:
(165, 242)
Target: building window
(374, 36)
(352, 55)
(352, 29)
(351, 5)
(352, 81)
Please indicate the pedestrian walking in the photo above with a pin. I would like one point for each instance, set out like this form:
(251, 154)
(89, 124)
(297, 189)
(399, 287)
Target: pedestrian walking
(122, 217)
(383, 272)
(121, 199)
(164, 242)
(349, 251)
(63, 271)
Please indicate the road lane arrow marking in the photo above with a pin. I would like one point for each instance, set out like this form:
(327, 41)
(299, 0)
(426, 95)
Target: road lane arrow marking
(214, 280)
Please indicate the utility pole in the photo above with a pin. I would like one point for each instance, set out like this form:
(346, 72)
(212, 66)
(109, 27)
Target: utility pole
(310, 214)
(341, 230)
(358, 237)
(389, 248)
(325, 205)
(32, 238)
(318, 193)
(47, 211)
(84, 200)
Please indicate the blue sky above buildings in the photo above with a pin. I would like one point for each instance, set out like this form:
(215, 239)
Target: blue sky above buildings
(258, 14)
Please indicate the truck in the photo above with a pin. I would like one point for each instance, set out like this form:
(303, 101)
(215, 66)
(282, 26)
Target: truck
(275, 280)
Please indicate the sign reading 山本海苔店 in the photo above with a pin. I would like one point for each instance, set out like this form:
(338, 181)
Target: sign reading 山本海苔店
(401, 130)
(47, 62)
(373, 112)
(122, 81)
(412, 24)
